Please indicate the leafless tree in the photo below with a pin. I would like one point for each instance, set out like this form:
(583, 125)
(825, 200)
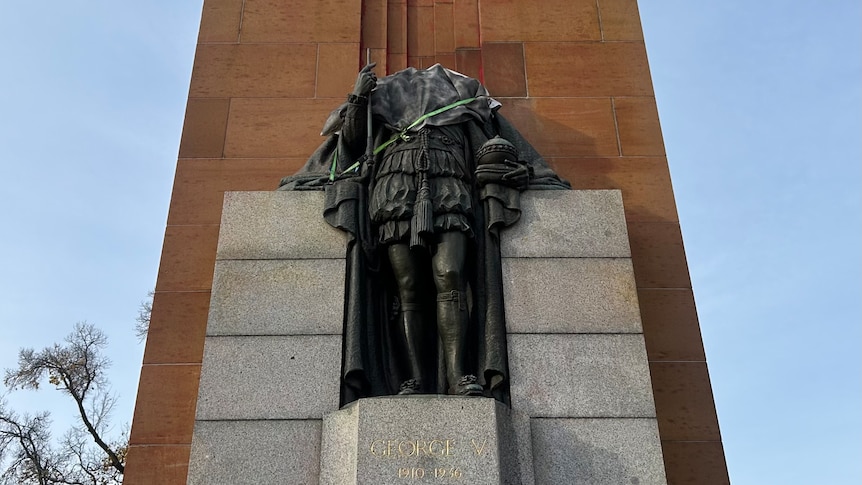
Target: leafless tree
(76, 368)
(142, 321)
(25, 443)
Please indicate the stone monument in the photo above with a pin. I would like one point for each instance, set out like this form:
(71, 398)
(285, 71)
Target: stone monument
(243, 381)
(581, 410)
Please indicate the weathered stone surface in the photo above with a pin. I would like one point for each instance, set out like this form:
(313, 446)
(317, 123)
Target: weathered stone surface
(255, 452)
(269, 377)
(597, 452)
(570, 295)
(568, 224)
(580, 375)
(577, 361)
(339, 447)
(287, 297)
(390, 440)
(277, 225)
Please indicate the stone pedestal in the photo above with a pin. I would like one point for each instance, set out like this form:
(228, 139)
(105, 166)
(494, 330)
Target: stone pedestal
(272, 354)
(426, 439)
(582, 403)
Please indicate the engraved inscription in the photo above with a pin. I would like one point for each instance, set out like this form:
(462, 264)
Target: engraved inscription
(439, 473)
(407, 450)
(405, 472)
(404, 448)
(447, 472)
(479, 448)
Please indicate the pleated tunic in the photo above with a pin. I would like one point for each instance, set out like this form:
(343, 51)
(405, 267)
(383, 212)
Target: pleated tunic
(438, 154)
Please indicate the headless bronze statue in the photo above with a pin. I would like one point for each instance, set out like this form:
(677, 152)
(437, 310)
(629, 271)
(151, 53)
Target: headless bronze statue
(416, 172)
(420, 199)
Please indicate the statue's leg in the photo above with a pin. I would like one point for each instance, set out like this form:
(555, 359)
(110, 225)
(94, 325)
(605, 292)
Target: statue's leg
(405, 267)
(452, 317)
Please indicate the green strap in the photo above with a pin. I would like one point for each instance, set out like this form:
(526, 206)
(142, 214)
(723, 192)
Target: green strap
(419, 120)
(334, 163)
(403, 133)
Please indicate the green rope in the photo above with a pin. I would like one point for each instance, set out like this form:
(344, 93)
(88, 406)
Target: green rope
(419, 120)
(403, 133)
(334, 163)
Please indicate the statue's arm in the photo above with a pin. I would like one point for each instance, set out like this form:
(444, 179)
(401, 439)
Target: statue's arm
(354, 131)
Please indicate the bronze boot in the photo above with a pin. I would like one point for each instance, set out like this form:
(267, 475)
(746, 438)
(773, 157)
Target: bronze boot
(411, 326)
(452, 321)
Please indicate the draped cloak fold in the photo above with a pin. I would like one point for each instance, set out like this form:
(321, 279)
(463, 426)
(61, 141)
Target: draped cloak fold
(371, 361)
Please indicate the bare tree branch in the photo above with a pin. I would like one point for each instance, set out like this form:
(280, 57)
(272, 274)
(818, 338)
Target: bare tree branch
(142, 322)
(32, 460)
(76, 368)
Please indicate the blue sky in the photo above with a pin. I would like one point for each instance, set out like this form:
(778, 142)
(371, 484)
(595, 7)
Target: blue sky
(760, 108)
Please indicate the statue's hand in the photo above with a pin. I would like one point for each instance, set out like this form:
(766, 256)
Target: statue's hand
(518, 177)
(510, 174)
(365, 81)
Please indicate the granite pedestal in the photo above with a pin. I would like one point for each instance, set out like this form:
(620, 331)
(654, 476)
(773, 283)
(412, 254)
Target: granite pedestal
(390, 440)
(582, 404)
